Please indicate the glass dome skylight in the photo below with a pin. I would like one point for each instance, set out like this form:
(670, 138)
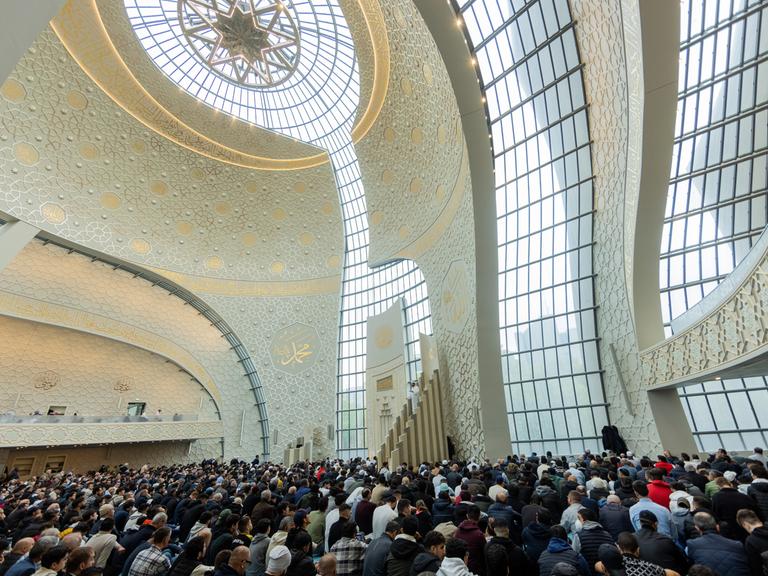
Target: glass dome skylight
(266, 62)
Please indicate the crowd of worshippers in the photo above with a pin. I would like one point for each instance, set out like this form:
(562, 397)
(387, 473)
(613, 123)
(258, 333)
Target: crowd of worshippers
(592, 515)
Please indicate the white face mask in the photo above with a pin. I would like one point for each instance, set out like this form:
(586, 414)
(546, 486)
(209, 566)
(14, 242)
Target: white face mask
(578, 525)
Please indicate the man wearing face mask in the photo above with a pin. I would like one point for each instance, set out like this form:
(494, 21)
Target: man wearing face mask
(588, 536)
(571, 514)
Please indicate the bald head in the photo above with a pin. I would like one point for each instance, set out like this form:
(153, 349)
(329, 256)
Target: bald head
(613, 499)
(327, 565)
(240, 558)
(23, 546)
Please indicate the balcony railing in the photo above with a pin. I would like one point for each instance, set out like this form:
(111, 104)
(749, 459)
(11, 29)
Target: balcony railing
(10, 418)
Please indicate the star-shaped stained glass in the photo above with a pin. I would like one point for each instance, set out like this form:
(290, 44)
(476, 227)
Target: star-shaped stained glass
(254, 42)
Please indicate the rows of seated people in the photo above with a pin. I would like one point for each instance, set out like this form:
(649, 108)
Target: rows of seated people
(612, 515)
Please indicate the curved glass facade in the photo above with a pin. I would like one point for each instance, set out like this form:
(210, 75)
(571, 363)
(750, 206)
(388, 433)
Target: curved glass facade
(716, 205)
(531, 75)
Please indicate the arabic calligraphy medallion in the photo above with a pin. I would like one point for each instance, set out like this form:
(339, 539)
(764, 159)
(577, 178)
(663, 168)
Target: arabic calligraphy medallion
(295, 348)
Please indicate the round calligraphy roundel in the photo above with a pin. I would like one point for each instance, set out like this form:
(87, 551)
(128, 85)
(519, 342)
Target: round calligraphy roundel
(295, 348)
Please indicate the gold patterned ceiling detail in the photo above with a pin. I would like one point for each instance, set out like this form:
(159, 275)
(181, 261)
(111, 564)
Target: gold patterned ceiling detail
(75, 164)
(82, 30)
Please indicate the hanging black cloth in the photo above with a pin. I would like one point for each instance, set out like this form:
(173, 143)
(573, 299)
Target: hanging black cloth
(612, 440)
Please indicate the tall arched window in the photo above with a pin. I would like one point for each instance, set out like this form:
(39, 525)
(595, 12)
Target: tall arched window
(716, 206)
(530, 72)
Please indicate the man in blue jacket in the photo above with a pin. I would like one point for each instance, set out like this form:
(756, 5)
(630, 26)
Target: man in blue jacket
(726, 557)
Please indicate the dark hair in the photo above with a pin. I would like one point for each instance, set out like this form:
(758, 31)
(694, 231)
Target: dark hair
(54, 554)
(403, 504)
(410, 525)
(640, 488)
(747, 515)
(205, 517)
(230, 522)
(263, 526)
(433, 538)
(496, 557)
(588, 515)
(222, 558)
(107, 525)
(243, 523)
(161, 534)
(300, 540)
(340, 499)
(627, 542)
(473, 513)
(77, 557)
(701, 570)
(758, 470)
(544, 516)
(655, 474)
(349, 529)
(558, 531)
(455, 548)
(194, 548)
(392, 526)
(37, 551)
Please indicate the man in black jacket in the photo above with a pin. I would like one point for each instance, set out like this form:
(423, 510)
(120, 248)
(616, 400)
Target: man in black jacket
(192, 514)
(694, 477)
(587, 541)
(404, 549)
(758, 489)
(513, 558)
(757, 541)
(335, 533)
(430, 559)
(614, 517)
(726, 503)
(659, 548)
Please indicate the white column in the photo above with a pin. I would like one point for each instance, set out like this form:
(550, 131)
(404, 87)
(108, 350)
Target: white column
(13, 237)
(22, 23)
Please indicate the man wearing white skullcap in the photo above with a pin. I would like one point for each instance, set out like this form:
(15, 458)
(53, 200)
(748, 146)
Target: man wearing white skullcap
(279, 560)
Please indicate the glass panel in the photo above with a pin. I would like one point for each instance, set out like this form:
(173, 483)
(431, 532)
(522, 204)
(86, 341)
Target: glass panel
(544, 207)
(716, 204)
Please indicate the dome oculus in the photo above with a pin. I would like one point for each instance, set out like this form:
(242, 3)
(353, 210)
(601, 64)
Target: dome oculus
(253, 42)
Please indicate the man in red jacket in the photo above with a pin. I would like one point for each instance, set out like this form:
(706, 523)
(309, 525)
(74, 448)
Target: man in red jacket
(664, 465)
(658, 490)
(474, 538)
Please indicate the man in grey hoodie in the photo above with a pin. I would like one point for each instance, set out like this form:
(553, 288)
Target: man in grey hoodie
(259, 545)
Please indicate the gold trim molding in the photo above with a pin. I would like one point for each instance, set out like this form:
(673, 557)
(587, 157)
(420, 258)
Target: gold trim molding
(229, 287)
(81, 30)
